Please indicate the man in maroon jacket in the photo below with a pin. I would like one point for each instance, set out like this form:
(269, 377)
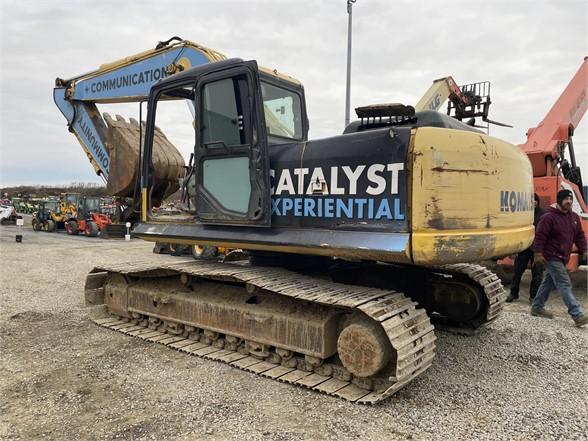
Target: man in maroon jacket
(558, 229)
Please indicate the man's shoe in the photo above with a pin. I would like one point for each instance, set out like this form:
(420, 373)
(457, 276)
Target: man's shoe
(541, 313)
(581, 320)
(510, 298)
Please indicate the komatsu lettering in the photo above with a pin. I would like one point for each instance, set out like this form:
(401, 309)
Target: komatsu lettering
(515, 201)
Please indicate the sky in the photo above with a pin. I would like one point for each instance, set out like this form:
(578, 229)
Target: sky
(528, 50)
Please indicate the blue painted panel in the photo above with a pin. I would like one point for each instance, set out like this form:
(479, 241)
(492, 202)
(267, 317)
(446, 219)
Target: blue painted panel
(64, 105)
(84, 128)
(135, 80)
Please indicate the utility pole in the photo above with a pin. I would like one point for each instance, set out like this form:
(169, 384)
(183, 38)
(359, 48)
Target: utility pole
(348, 91)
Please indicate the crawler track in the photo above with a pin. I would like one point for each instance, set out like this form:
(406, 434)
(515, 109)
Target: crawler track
(491, 286)
(407, 328)
(459, 297)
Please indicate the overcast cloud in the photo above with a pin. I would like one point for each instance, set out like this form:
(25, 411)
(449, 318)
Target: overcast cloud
(529, 51)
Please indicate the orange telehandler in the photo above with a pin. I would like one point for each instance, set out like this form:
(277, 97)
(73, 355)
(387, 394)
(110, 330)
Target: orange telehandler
(547, 144)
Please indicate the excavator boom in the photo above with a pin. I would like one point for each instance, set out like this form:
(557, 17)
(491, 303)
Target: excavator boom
(126, 80)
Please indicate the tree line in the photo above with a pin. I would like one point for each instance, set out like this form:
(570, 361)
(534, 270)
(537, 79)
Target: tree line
(42, 191)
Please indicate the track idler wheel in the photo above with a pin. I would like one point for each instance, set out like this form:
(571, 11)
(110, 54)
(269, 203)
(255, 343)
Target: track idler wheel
(363, 348)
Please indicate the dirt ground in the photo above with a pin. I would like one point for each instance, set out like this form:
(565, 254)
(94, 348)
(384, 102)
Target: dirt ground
(64, 378)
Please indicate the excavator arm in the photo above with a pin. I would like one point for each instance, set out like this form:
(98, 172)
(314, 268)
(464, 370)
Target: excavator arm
(122, 81)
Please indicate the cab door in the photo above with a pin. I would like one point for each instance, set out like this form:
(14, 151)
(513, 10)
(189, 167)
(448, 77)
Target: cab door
(231, 152)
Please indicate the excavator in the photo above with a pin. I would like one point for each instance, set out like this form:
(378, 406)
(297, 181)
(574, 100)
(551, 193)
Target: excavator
(359, 244)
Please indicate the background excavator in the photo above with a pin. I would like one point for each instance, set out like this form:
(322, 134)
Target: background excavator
(358, 243)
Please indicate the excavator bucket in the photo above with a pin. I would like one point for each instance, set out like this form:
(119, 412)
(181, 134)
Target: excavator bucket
(123, 145)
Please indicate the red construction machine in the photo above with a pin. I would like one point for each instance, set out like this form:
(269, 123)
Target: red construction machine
(87, 218)
(547, 144)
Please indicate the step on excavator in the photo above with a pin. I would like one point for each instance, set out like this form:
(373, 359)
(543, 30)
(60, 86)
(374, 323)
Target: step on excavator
(359, 244)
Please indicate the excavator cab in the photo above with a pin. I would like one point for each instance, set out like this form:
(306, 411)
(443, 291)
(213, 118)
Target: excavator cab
(237, 116)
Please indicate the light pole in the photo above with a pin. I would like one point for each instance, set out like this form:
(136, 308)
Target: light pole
(348, 90)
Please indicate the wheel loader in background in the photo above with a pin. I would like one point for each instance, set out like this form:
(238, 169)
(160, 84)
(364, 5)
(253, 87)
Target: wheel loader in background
(48, 216)
(87, 218)
(53, 214)
(358, 244)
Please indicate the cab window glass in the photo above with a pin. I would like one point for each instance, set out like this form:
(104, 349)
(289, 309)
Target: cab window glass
(282, 111)
(221, 121)
(71, 198)
(92, 204)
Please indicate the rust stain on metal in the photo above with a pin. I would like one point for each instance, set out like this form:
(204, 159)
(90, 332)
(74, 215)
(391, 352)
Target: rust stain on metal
(457, 170)
(466, 247)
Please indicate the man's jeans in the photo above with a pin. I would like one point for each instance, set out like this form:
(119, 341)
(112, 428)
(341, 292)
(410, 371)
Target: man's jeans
(556, 277)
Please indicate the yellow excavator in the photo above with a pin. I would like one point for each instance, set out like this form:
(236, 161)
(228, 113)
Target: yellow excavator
(358, 244)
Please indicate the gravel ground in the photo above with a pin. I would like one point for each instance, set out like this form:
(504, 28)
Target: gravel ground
(64, 378)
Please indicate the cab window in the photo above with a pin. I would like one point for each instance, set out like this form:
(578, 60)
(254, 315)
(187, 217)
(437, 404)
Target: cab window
(282, 111)
(92, 204)
(222, 120)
